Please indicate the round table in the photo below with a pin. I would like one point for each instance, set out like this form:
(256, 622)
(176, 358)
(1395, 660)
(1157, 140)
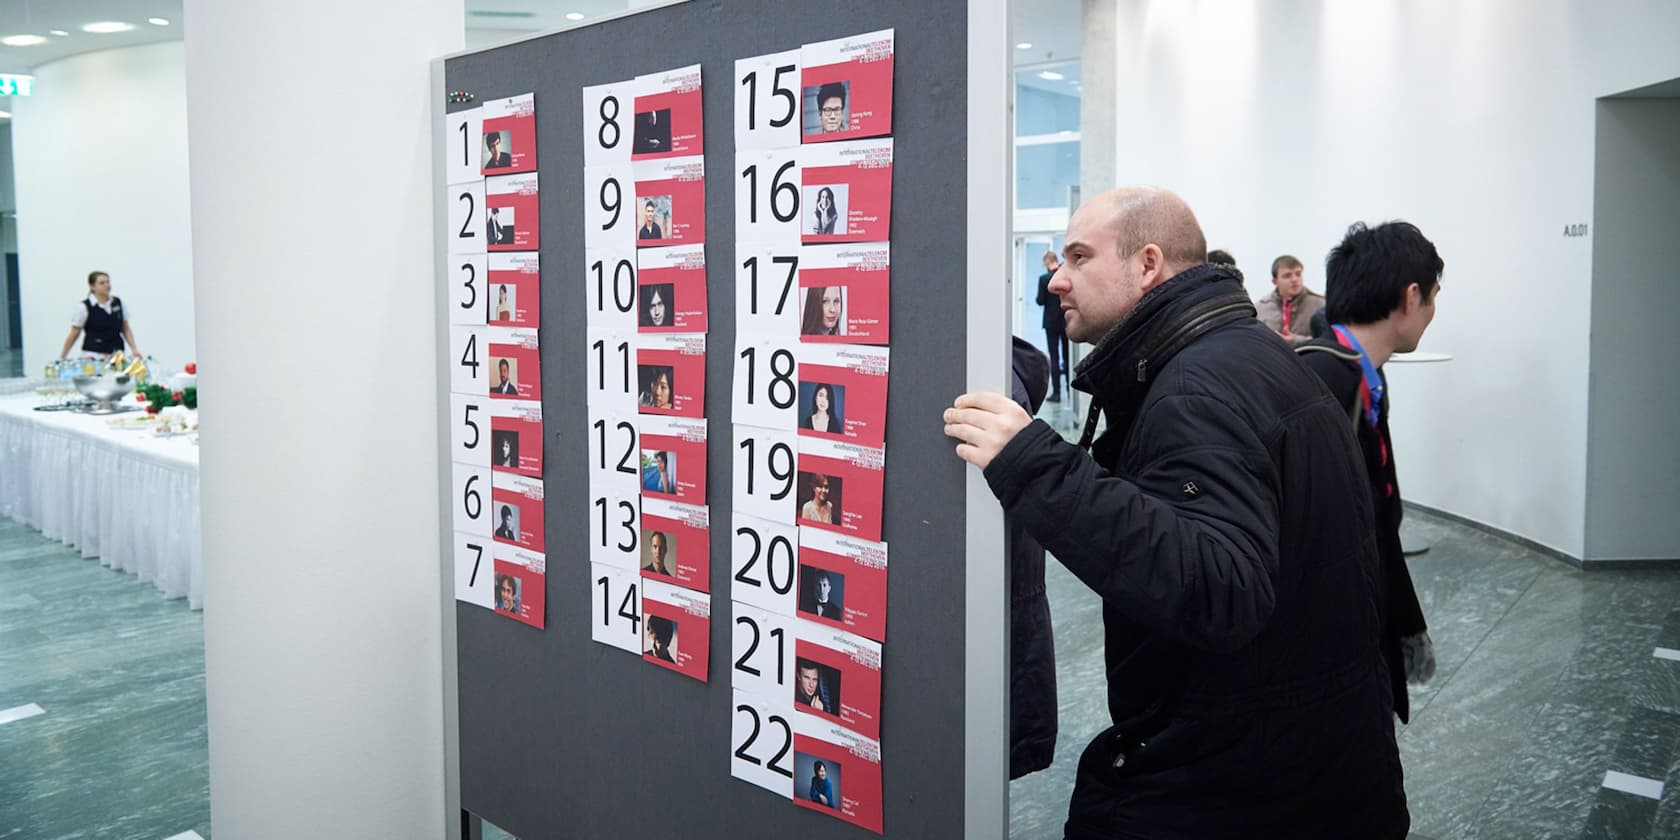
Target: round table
(1417, 357)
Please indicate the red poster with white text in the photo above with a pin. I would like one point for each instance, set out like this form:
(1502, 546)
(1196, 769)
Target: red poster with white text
(518, 589)
(843, 393)
(839, 487)
(846, 191)
(676, 628)
(837, 677)
(668, 116)
(677, 543)
(516, 511)
(671, 289)
(843, 582)
(673, 458)
(509, 136)
(847, 88)
(516, 439)
(837, 771)
(671, 374)
(670, 201)
(844, 293)
(514, 291)
(510, 213)
(515, 366)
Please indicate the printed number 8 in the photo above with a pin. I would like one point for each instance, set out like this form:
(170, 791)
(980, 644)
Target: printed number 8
(608, 120)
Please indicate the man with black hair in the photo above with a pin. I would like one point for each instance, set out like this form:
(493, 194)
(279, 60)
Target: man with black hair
(1289, 309)
(661, 631)
(1383, 283)
(507, 530)
(831, 107)
(494, 157)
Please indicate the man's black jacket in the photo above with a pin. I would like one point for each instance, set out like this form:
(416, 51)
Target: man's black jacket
(1225, 521)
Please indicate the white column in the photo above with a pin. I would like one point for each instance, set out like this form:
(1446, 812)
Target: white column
(1097, 61)
(310, 130)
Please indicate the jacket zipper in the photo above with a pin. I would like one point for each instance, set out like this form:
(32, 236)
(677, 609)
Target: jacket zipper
(1143, 364)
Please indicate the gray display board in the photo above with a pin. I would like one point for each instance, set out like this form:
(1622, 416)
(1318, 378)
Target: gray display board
(564, 737)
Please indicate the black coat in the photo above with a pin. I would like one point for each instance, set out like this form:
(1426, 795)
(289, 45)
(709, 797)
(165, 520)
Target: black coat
(1054, 322)
(1224, 520)
(1032, 645)
(1339, 368)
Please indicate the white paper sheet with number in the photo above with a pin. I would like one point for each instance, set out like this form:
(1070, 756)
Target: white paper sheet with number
(469, 496)
(761, 653)
(767, 98)
(609, 207)
(615, 607)
(466, 218)
(761, 742)
(474, 570)
(766, 384)
(461, 133)
(469, 430)
(767, 295)
(610, 279)
(611, 372)
(763, 563)
(614, 450)
(767, 198)
(608, 122)
(615, 521)
(469, 357)
(765, 472)
(468, 289)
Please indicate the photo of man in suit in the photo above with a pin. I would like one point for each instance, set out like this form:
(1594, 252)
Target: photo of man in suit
(509, 529)
(821, 594)
(653, 132)
(495, 157)
(810, 689)
(504, 379)
(496, 233)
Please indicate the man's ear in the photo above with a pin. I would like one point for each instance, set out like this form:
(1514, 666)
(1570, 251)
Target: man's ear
(1154, 266)
(1413, 300)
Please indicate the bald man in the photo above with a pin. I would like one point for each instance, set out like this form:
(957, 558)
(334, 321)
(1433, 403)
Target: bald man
(1224, 520)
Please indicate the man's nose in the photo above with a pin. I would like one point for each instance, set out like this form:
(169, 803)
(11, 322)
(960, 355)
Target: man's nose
(1060, 284)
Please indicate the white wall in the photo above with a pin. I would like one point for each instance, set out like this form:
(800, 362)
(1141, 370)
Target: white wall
(324, 589)
(101, 169)
(1633, 459)
(1282, 122)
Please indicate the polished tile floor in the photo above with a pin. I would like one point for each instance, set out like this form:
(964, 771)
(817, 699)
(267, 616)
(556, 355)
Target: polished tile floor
(1549, 680)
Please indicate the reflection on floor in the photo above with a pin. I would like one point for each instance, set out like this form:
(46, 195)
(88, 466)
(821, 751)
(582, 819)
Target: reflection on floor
(1549, 678)
(121, 749)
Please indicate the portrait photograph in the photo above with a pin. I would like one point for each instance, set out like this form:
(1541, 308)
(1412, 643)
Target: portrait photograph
(825, 209)
(822, 593)
(655, 304)
(816, 779)
(819, 497)
(504, 448)
(498, 149)
(653, 220)
(826, 109)
(653, 132)
(822, 407)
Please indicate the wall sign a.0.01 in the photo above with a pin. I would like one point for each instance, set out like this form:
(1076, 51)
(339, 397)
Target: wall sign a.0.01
(1574, 230)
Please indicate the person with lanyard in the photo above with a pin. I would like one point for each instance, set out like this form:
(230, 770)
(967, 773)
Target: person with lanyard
(1289, 309)
(1383, 284)
(100, 321)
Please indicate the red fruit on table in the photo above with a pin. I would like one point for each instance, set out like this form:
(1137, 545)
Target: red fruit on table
(139, 397)
(176, 396)
(151, 409)
(192, 367)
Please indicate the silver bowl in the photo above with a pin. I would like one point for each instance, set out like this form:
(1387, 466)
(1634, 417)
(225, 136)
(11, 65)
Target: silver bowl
(105, 389)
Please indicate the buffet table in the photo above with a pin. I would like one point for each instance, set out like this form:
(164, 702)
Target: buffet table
(123, 495)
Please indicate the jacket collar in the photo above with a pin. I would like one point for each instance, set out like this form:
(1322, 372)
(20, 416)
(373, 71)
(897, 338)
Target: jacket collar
(1164, 321)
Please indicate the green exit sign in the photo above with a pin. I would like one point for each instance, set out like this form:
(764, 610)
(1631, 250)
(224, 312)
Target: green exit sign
(15, 85)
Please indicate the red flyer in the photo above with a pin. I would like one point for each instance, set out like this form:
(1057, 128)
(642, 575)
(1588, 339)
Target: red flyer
(837, 677)
(514, 290)
(510, 213)
(515, 367)
(516, 511)
(676, 543)
(843, 393)
(671, 374)
(676, 628)
(670, 201)
(847, 189)
(668, 115)
(674, 458)
(671, 289)
(839, 487)
(510, 135)
(847, 86)
(843, 582)
(844, 293)
(518, 589)
(516, 439)
(837, 771)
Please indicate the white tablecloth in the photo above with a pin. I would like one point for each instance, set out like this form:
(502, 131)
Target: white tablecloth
(122, 495)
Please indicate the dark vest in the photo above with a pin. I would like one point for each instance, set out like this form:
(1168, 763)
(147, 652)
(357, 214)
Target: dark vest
(103, 331)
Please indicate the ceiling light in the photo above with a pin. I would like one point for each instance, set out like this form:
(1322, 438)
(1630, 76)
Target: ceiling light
(106, 27)
(22, 40)
(574, 16)
(60, 33)
(158, 21)
(1024, 45)
(1051, 75)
